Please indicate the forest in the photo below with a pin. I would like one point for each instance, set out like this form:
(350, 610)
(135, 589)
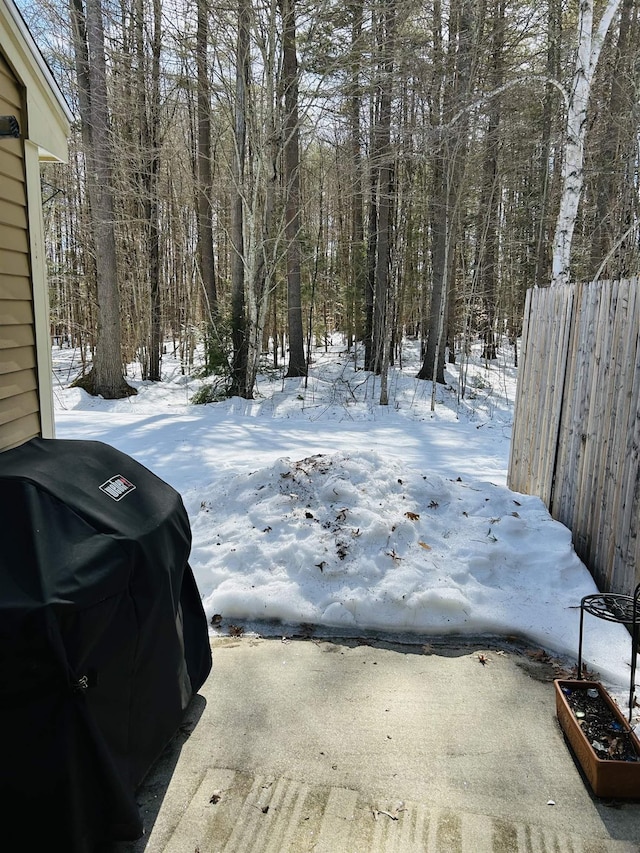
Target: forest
(249, 177)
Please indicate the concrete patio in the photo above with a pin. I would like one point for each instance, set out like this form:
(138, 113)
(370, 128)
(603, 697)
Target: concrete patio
(342, 746)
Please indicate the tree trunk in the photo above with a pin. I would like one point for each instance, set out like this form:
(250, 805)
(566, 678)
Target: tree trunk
(613, 188)
(149, 154)
(297, 364)
(433, 362)
(488, 230)
(588, 51)
(205, 226)
(372, 240)
(452, 89)
(358, 250)
(550, 109)
(156, 331)
(382, 169)
(238, 316)
(386, 196)
(106, 377)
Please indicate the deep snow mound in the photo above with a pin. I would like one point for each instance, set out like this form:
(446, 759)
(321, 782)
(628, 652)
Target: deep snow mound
(358, 540)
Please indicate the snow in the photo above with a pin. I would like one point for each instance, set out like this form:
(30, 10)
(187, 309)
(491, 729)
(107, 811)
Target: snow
(313, 505)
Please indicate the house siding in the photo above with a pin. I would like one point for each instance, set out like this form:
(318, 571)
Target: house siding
(19, 400)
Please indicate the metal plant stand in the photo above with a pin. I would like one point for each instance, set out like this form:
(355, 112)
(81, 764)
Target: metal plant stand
(615, 607)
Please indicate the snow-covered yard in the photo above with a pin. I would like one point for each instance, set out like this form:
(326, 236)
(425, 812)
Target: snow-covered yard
(312, 504)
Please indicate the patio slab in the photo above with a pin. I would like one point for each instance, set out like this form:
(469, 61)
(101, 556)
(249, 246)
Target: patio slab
(341, 745)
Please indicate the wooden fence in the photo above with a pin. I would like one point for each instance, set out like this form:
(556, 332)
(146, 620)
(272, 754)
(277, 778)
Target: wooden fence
(576, 432)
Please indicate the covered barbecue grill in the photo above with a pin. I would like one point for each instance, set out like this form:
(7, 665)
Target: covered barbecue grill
(103, 639)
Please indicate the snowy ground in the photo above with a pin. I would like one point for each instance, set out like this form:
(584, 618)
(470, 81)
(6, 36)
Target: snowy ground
(315, 505)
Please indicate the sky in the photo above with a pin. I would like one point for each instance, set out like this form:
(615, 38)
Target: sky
(314, 505)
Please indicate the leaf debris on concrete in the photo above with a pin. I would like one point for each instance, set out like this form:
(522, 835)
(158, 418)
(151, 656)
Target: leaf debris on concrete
(393, 814)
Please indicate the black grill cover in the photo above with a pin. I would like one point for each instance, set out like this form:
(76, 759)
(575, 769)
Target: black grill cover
(103, 639)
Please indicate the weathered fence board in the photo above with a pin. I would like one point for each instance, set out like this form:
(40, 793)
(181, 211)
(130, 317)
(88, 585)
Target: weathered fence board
(543, 369)
(576, 434)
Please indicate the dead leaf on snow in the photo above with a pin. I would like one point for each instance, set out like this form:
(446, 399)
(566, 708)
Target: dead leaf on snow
(538, 654)
(236, 630)
(412, 516)
(484, 660)
(586, 674)
(562, 672)
(425, 546)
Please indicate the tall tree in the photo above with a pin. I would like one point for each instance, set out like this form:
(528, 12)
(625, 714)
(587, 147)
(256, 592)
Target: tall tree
(156, 333)
(613, 157)
(544, 224)
(238, 310)
(357, 245)
(381, 205)
(255, 173)
(106, 377)
(589, 41)
(488, 236)
(291, 133)
(148, 156)
(450, 122)
(206, 260)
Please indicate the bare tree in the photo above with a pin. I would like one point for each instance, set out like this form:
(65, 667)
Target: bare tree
(488, 238)
(291, 132)
(106, 376)
(204, 182)
(614, 154)
(449, 117)
(544, 223)
(238, 311)
(589, 41)
(382, 196)
(255, 178)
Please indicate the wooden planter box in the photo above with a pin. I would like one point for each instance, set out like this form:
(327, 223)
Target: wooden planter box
(609, 778)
